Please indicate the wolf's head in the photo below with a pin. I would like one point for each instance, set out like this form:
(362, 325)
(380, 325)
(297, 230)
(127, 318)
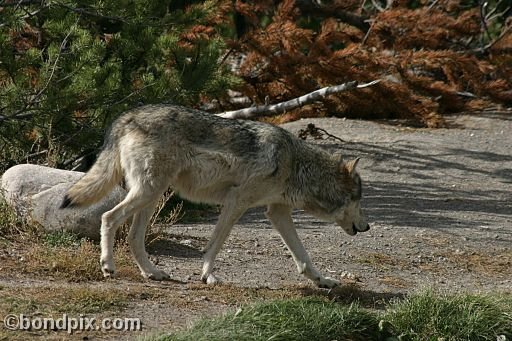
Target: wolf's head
(340, 202)
(351, 217)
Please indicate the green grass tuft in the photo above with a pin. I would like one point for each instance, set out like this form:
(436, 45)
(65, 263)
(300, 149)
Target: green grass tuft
(61, 239)
(296, 319)
(8, 219)
(423, 316)
(432, 316)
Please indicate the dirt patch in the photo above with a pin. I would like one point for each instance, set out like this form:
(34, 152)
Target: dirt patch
(439, 202)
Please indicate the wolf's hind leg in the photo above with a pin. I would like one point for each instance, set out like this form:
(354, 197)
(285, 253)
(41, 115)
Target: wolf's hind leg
(280, 216)
(136, 238)
(229, 215)
(137, 198)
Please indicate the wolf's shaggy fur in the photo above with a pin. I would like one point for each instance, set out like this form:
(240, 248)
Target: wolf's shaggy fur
(237, 164)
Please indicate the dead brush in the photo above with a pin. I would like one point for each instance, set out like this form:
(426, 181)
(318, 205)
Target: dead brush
(156, 231)
(13, 226)
(156, 226)
(63, 255)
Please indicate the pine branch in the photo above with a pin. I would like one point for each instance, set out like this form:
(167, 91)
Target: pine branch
(19, 3)
(26, 111)
(86, 12)
(280, 108)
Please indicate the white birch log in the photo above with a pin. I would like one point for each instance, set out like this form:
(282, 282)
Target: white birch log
(280, 108)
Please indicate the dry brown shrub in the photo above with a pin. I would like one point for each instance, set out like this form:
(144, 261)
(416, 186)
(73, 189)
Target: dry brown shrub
(429, 59)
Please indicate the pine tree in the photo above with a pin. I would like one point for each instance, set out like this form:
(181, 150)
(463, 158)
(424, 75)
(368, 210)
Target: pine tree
(69, 67)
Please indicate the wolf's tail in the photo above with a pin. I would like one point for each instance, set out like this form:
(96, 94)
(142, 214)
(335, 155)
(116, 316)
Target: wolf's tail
(99, 180)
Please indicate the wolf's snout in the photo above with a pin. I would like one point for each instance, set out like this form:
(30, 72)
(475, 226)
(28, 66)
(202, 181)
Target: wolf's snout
(366, 228)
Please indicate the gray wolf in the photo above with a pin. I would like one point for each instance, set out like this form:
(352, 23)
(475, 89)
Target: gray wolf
(237, 164)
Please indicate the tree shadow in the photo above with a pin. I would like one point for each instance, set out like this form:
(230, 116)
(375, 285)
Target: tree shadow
(177, 246)
(350, 293)
(424, 188)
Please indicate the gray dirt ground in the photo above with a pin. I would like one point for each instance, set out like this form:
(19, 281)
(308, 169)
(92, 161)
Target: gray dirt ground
(439, 202)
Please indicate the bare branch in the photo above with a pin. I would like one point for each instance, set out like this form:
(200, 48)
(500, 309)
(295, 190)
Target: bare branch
(378, 6)
(280, 108)
(433, 4)
(365, 85)
(17, 117)
(504, 32)
(317, 8)
(316, 133)
(489, 16)
(19, 3)
(483, 17)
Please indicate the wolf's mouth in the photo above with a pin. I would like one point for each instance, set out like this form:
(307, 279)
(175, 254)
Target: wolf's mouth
(355, 230)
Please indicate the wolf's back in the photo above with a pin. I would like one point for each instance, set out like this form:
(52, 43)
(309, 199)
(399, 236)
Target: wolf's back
(100, 179)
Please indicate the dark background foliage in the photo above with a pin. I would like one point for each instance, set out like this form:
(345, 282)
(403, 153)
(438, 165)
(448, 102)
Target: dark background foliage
(68, 68)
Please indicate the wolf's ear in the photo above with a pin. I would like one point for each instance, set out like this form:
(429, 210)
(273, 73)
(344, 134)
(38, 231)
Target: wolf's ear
(350, 166)
(339, 157)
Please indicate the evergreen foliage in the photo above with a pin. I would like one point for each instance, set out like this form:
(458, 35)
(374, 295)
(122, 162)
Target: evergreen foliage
(69, 67)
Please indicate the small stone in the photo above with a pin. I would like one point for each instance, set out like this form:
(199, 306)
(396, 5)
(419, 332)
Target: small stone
(212, 280)
(348, 275)
(186, 242)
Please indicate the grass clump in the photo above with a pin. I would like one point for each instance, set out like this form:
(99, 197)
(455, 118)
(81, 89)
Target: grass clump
(426, 315)
(11, 225)
(7, 216)
(61, 238)
(75, 261)
(432, 316)
(295, 319)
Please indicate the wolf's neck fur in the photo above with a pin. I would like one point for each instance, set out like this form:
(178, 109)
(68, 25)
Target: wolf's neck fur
(310, 161)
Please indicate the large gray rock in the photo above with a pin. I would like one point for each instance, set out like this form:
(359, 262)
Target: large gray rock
(36, 192)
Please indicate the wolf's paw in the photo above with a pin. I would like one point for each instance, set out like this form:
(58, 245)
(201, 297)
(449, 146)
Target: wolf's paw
(210, 279)
(156, 275)
(108, 268)
(327, 283)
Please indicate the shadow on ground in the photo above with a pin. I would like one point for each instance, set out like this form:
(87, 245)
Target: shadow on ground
(415, 185)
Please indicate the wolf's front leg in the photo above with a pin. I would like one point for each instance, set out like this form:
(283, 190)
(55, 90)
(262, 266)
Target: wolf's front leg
(281, 218)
